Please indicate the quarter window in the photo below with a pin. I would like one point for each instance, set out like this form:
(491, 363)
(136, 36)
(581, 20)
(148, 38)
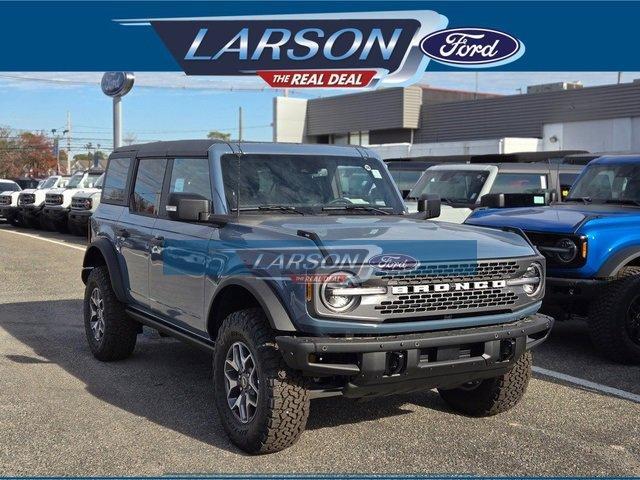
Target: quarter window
(148, 186)
(115, 183)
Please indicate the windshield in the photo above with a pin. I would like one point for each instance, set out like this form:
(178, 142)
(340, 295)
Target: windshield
(9, 187)
(92, 179)
(519, 183)
(75, 180)
(452, 186)
(613, 183)
(405, 179)
(49, 182)
(307, 182)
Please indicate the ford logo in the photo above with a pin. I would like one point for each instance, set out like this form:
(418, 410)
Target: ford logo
(472, 47)
(391, 261)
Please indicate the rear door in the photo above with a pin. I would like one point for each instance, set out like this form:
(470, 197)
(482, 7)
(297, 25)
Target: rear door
(135, 227)
(179, 250)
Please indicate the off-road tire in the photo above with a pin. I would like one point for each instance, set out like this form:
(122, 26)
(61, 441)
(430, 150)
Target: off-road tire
(494, 395)
(608, 316)
(283, 400)
(120, 332)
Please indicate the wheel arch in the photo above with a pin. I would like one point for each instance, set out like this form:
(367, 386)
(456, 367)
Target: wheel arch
(99, 253)
(626, 257)
(236, 294)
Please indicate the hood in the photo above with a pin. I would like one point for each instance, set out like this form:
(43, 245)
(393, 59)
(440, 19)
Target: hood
(86, 192)
(425, 240)
(560, 218)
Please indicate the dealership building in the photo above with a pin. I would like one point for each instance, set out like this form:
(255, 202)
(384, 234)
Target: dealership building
(417, 121)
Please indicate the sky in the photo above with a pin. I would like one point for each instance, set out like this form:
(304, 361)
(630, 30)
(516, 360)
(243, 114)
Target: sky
(168, 105)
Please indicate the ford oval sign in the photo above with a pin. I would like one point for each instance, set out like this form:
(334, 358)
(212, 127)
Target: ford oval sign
(393, 262)
(472, 47)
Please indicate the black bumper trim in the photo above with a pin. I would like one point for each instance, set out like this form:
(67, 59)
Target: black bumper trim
(56, 214)
(440, 367)
(80, 217)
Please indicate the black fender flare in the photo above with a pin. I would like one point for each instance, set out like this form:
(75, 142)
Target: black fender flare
(108, 252)
(275, 312)
(612, 266)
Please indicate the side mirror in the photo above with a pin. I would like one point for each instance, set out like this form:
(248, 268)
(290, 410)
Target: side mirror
(188, 207)
(429, 205)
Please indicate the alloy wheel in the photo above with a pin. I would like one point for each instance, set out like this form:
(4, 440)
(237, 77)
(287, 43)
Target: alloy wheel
(96, 304)
(241, 382)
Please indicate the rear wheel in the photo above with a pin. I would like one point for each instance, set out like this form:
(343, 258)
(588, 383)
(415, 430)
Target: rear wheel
(263, 405)
(494, 395)
(614, 318)
(110, 332)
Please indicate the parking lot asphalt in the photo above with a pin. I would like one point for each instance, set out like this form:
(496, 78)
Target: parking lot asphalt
(64, 413)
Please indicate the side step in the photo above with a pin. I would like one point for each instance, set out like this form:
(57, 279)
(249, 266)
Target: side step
(176, 332)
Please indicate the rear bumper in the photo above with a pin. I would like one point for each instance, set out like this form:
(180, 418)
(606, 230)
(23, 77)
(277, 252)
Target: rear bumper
(56, 214)
(80, 217)
(426, 360)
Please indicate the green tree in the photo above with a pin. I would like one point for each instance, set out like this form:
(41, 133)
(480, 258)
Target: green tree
(216, 135)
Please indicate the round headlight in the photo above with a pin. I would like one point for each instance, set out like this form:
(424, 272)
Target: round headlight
(87, 204)
(533, 275)
(334, 302)
(570, 250)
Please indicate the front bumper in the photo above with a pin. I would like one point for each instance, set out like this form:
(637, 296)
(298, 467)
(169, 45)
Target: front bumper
(56, 214)
(80, 217)
(567, 296)
(427, 360)
(8, 212)
(30, 211)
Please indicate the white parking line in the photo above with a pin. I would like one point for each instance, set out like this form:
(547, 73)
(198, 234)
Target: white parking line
(64, 244)
(587, 384)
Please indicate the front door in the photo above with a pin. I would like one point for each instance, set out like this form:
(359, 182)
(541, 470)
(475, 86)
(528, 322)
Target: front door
(135, 227)
(179, 250)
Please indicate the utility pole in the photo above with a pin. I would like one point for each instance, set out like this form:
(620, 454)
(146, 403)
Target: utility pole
(56, 149)
(619, 78)
(68, 132)
(240, 124)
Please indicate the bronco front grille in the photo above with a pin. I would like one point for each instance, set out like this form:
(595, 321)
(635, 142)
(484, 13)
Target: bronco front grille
(448, 301)
(26, 198)
(53, 199)
(5, 200)
(78, 203)
(453, 272)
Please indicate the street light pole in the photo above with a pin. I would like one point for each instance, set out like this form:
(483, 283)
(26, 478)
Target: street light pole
(117, 85)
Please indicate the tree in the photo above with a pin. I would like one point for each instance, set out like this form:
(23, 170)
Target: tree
(26, 153)
(216, 135)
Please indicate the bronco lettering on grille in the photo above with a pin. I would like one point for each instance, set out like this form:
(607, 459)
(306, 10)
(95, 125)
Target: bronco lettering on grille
(446, 287)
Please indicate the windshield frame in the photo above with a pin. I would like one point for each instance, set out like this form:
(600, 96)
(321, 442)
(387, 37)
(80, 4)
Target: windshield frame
(49, 182)
(588, 175)
(392, 195)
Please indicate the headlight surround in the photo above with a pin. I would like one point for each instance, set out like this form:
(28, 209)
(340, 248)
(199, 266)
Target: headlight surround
(338, 303)
(567, 250)
(87, 204)
(530, 286)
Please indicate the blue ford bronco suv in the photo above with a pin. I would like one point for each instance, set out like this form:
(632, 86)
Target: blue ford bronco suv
(298, 267)
(592, 246)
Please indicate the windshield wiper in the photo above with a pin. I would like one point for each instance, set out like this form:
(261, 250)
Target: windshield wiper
(623, 202)
(272, 208)
(367, 208)
(584, 200)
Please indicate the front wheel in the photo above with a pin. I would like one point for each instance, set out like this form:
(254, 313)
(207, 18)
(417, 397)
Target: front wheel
(614, 318)
(263, 405)
(494, 395)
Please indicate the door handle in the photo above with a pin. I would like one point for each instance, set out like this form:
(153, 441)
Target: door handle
(122, 232)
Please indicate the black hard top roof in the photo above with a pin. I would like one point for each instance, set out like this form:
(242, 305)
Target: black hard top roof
(173, 147)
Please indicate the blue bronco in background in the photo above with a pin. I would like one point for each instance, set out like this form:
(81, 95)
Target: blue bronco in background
(592, 246)
(298, 267)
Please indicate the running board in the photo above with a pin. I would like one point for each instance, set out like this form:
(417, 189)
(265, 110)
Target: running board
(162, 326)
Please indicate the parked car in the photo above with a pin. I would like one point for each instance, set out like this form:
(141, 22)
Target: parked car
(307, 284)
(83, 205)
(31, 201)
(55, 214)
(9, 191)
(592, 245)
(461, 187)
